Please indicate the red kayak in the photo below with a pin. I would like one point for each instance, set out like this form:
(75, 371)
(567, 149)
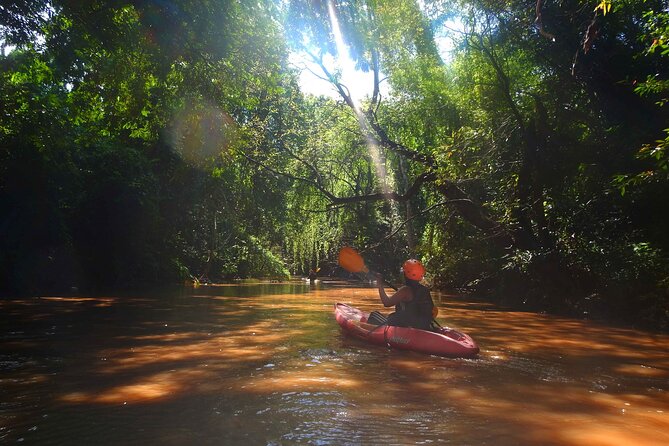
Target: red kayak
(445, 342)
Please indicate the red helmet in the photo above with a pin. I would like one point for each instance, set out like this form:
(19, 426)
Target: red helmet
(413, 269)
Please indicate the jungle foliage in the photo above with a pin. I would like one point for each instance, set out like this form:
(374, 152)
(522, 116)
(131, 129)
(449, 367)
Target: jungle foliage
(153, 141)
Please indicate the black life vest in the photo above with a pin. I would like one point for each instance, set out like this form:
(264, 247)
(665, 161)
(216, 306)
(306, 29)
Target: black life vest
(416, 312)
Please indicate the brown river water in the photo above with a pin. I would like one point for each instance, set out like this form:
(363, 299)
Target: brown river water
(266, 364)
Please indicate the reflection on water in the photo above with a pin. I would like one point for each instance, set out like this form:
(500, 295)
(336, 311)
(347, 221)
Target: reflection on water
(267, 364)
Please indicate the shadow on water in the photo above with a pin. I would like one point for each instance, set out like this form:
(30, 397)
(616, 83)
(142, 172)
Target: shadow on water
(267, 364)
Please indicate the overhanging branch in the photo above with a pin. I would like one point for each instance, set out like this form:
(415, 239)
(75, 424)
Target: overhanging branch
(335, 200)
(401, 225)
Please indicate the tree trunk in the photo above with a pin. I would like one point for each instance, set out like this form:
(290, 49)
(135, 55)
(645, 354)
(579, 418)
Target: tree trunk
(408, 211)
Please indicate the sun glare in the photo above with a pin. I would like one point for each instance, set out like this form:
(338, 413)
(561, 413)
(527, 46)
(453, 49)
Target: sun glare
(348, 72)
(344, 62)
(358, 83)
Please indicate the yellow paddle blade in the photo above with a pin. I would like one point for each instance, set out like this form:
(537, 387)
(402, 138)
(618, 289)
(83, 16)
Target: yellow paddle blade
(351, 261)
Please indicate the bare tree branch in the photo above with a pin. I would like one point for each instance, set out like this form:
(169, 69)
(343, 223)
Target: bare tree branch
(309, 181)
(404, 223)
(335, 200)
(341, 89)
(411, 191)
(540, 24)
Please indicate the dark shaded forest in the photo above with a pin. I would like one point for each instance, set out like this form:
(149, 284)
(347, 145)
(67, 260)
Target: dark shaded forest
(153, 141)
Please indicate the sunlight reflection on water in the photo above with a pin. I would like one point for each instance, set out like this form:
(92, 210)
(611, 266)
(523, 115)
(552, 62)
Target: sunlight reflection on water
(267, 364)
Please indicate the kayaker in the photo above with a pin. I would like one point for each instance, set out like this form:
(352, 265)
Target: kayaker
(413, 302)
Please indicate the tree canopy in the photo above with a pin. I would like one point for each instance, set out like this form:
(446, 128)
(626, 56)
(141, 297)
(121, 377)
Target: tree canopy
(154, 141)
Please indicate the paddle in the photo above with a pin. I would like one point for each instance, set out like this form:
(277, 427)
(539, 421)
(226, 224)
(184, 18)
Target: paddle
(352, 261)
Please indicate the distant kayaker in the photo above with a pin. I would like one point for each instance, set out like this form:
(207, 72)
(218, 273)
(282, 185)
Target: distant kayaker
(413, 302)
(313, 275)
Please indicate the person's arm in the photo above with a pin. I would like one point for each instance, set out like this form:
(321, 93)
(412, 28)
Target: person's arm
(402, 294)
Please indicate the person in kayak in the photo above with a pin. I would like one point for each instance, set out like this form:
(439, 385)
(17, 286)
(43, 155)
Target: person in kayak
(413, 302)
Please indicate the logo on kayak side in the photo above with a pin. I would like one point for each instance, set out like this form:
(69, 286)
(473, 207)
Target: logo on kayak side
(399, 340)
